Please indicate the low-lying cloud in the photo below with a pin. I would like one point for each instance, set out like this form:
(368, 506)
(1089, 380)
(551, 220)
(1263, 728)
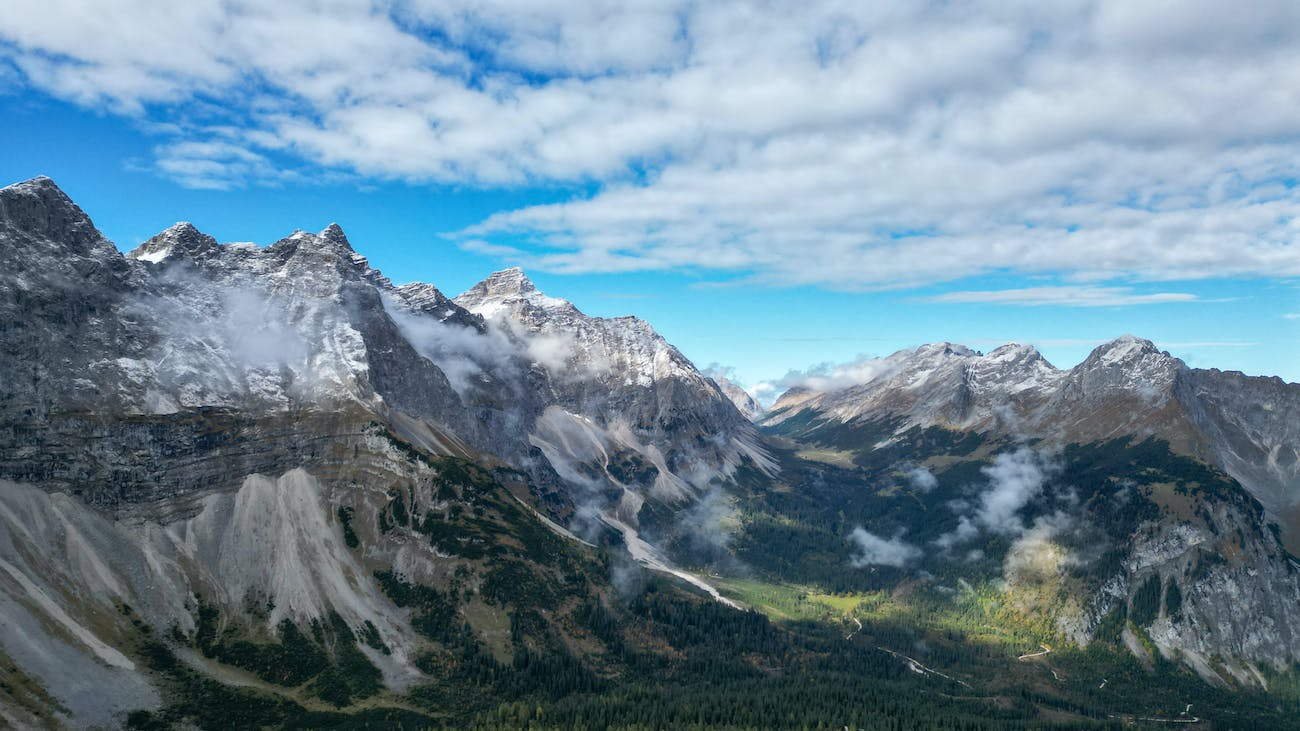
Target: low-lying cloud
(1014, 480)
(1038, 554)
(826, 377)
(462, 353)
(466, 355)
(920, 478)
(224, 339)
(872, 550)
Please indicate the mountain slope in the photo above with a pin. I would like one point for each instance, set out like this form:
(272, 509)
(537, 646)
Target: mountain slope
(627, 415)
(1081, 489)
(1245, 426)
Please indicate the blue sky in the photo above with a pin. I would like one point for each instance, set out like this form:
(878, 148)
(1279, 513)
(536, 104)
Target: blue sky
(773, 187)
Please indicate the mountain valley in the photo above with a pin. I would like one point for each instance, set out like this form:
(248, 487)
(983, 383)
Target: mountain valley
(264, 486)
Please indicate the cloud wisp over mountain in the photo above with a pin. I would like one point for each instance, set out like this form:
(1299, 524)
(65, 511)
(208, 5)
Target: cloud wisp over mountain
(849, 147)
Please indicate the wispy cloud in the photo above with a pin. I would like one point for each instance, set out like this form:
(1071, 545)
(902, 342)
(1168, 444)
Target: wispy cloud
(1174, 345)
(1291, 316)
(1015, 479)
(857, 146)
(825, 377)
(872, 550)
(1064, 296)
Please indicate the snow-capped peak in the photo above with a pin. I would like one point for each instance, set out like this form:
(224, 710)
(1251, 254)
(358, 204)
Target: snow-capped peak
(943, 349)
(38, 208)
(35, 185)
(181, 237)
(1014, 351)
(509, 289)
(1121, 350)
(333, 234)
(512, 282)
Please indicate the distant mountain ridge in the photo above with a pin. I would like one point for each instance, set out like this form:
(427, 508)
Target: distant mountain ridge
(1248, 426)
(1143, 474)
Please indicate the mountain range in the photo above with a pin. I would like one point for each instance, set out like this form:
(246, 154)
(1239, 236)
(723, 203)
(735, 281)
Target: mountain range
(265, 486)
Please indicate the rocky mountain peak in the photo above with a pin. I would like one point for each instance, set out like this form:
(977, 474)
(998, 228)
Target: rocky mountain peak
(511, 290)
(739, 397)
(40, 186)
(1128, 360)
(1125, 348)
(1014, 352)
(428, 299)
(945, 349)
(38, 209)
(334, 237)
(331, 240)
(512, 282)
(180, 239)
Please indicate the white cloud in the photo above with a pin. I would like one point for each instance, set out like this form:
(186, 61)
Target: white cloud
(1072, 296)
(852, 146)
(501, 353)
(465, 355)
(1291, 316)
(1038, 553)
(921, 478)
(1207, 344)
(213, 165)
(826, 377)
(874, 550)
(1015, 479)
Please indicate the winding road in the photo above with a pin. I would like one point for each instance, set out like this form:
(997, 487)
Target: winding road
(849, 636)
(1145, 719)
(1045, 651)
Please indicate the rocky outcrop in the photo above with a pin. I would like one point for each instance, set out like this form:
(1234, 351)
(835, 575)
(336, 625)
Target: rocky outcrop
(739, 397)
(627, 410)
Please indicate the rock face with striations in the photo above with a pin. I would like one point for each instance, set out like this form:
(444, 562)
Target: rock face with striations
(625, 412)
(740, 398)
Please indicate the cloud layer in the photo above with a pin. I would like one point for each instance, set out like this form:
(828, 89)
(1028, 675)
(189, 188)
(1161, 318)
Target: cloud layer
(847, 145)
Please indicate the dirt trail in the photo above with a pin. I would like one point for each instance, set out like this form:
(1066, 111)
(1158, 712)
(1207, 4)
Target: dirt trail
(1046, 650)
(849, 636)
